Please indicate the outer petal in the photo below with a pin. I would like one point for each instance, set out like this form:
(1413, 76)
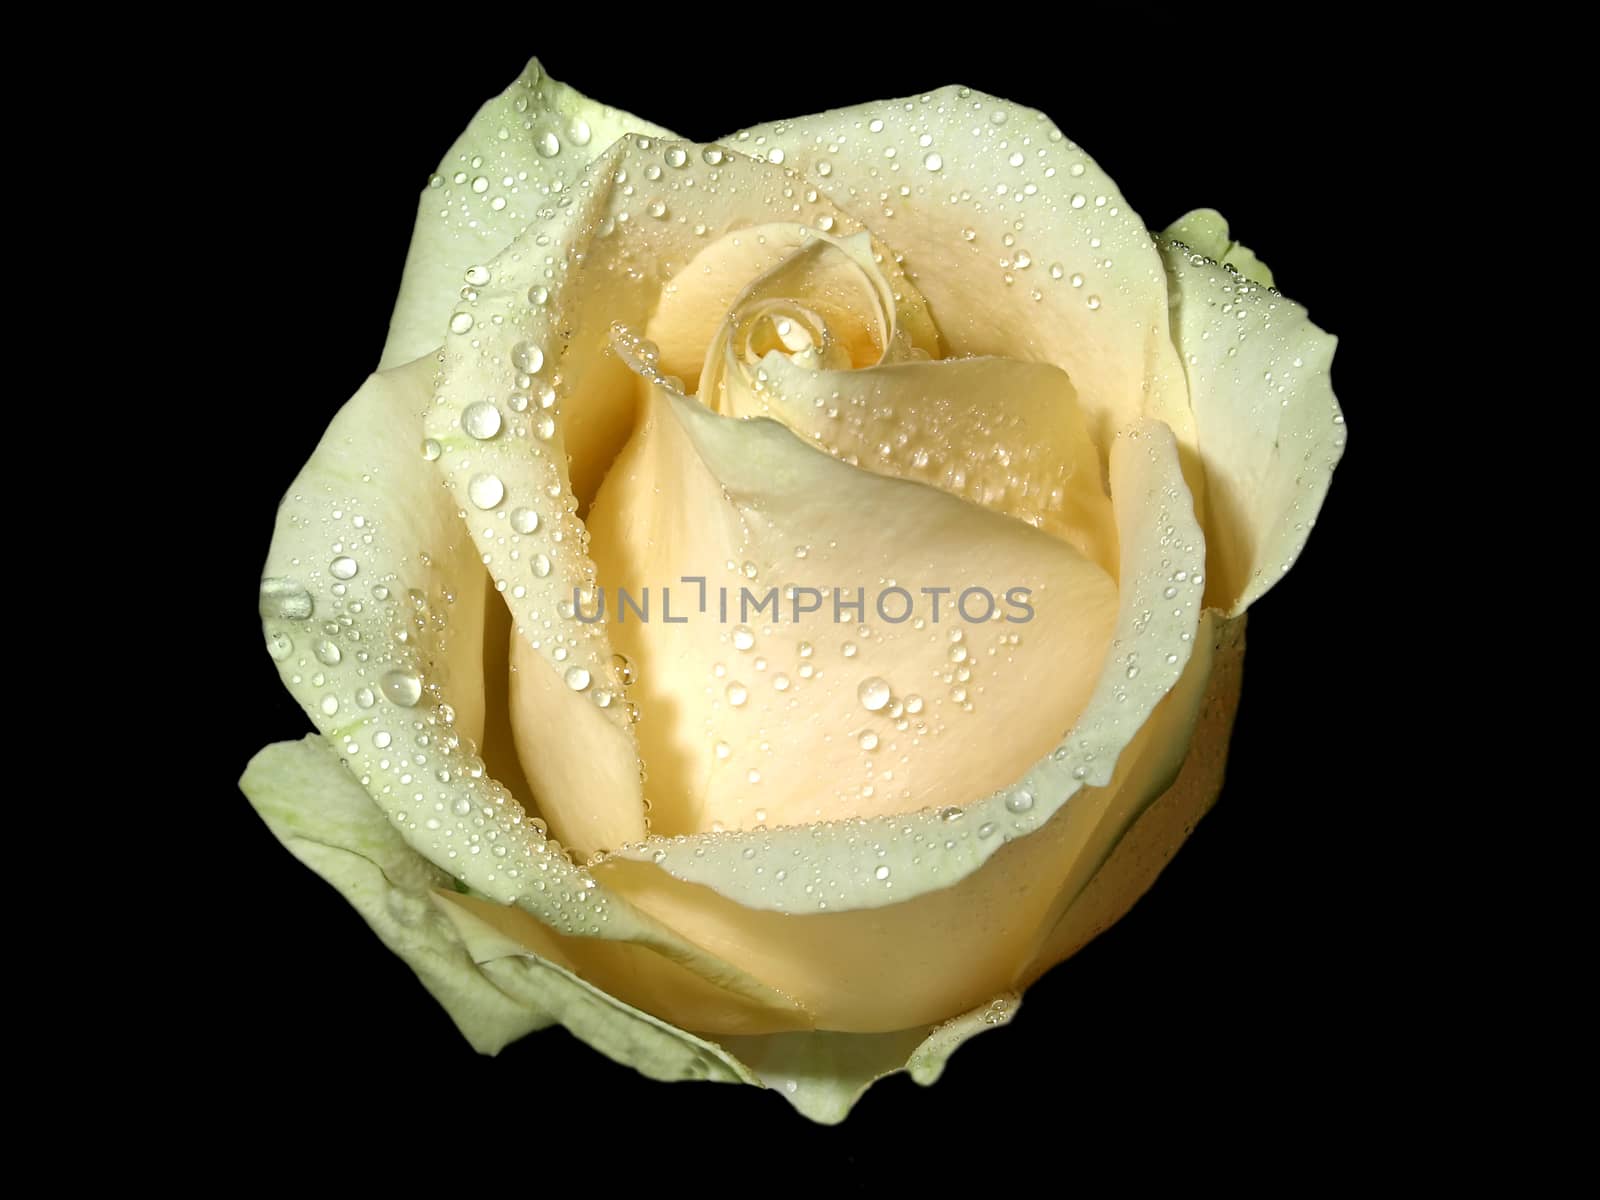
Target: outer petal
(374, 606)
(1206, 230)
(1021, 244)
(496, 990)
(516, 161)
(1271, 431)
(325, 818)
(1162, 826)
(824, 1074)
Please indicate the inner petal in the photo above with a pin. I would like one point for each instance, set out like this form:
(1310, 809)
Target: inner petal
(767, 697)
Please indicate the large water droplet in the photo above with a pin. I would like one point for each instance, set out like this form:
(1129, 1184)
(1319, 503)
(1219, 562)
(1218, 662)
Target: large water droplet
(481, 420)
(486, 491)
(577, 678)
(527, 357)
(343, 567)
(402, 687)
(524, 520)
(874, 693)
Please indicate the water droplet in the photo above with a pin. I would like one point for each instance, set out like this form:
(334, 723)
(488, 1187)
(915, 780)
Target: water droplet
(544, 427)
(524, 520)
(527, 358)
(431, 449)
(676, 156)
(477, 276)
(538, 294)
(541, 565)
(579, 131)
(913, 704)
(875, 125)
(933, 162)
(577, 678)
(461, 322)
(775, 155)
(657, 209)
(881, 873)
(402, 687)
(330, 705)
(279, 646)
(343, 567)
(549, 144)
(284, 599)
(1094, 301)
(327, 652)
(743, 638)
(869, 740)
(480, 185)
(873, 693)
(737, 694)
(622, 668)
(1020, 801)
(481, 420)
(486, 491)
(712, 155)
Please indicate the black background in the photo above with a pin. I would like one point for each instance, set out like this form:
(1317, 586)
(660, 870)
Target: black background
(1246, 989)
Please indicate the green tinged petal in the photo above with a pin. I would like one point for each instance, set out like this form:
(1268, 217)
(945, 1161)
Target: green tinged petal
(824, 1074)
(326, 820)
(494, 989)
(1205, 230)
(1271, 431)
(514, 163)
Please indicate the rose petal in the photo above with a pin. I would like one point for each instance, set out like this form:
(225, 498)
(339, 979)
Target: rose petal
(1022, 245)
(997, 432)
(1205, 230)
(494, 991)
(738, 731)
(1271, 431)
(779, 902)
(516, 162)
(531, 409)
(373, 603)
(1161, 826)
(698, 302)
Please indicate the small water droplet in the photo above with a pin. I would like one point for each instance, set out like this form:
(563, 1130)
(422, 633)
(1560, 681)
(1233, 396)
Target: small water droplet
(343, 567)
(461, 322)
(524, 520)
(737, 694)
(549, 144)
(577, 678)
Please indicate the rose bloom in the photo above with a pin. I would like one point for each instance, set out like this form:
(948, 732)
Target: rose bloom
(919, 352)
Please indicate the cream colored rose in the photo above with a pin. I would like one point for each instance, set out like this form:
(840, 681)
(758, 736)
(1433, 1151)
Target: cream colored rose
(912, 346)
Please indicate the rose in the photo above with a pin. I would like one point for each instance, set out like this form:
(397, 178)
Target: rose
(1004, 381)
